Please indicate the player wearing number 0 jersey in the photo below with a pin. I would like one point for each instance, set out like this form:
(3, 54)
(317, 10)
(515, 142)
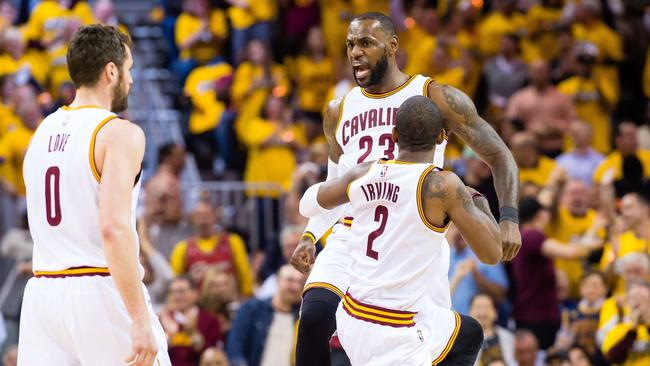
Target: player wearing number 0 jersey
(86, 304)
(357, 129)
(400, 257)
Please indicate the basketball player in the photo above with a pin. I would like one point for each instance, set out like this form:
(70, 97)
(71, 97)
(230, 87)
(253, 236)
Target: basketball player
(402, 209)
(86, 304)
(358, 129)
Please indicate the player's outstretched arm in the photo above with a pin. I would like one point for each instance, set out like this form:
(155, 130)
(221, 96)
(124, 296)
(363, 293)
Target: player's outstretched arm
(305, 254)
(468, 210)
(325, 196)
(119, 150)
(462, 118)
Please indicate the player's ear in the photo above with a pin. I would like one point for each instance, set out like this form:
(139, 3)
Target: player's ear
(395, 135)
(442, 136)
(393, 44)
(111, 72)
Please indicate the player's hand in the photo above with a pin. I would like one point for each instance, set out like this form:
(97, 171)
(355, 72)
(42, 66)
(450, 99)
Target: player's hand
(510, 239)
(143, 345)
(304, 256)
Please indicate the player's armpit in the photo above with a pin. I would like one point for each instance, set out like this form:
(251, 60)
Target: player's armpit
(330, 123)
(445, 192)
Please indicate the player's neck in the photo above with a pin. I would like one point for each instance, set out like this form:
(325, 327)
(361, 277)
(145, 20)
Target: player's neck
(392, 80)
(91, 97)
(416, 156)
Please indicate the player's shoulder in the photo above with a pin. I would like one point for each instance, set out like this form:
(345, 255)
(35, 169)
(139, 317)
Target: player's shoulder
(120, 129)
(441, 184)
(332, 113)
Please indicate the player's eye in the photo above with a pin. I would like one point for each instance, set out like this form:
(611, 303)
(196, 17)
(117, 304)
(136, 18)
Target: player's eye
(350, 44)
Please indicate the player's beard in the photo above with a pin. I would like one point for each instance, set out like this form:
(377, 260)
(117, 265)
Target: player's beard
(120, 96)
(377, 73)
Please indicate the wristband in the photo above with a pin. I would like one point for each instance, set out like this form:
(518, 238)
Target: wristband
(308, 235)
(508, 213)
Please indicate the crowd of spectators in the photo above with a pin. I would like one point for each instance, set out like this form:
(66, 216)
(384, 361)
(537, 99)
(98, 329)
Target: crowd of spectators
(565, 83)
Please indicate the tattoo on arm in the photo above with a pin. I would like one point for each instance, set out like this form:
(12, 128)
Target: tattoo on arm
(435, 187)
(484, 140)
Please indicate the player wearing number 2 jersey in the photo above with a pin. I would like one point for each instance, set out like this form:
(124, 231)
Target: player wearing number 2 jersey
(86, 304)
(358, 129)
(399, 253)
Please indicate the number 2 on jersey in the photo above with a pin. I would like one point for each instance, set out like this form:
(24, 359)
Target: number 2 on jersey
(381, 216)
(52, 198)
(365, 143)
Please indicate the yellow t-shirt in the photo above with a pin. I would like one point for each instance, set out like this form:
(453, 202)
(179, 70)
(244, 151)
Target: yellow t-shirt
(58, 70)
(84, 12)
(610, 309)
(635, 356)
(567, 229)
(274, 164)
(538, 174)
(418, 46)
(615, 161)
(46, 21)
(453, 76)
(200, 88)
(239, 256)
(628, 243)
(587, 96)
(9, 121)
(366, 6)
(250, 101)
(188, 25)
(493, 27)
(335, 26)
(538, 17)
(36, 62)
(313, 79)
(13, 146)
(257, 11)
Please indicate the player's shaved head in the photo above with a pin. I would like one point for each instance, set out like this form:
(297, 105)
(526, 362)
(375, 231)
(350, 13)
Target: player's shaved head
(419, 121)
(385, 23)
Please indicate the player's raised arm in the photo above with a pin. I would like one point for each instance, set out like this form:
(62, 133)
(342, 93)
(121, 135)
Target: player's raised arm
(461, 117)
(467, 209)
(118, 152)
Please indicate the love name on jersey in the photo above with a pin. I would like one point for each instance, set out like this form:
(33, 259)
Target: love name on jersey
(381, 191)
(376, 117)
(58, 142)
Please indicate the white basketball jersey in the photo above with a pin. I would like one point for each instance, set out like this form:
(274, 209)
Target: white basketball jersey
(62, 190)
(399, 260)
(366, 122)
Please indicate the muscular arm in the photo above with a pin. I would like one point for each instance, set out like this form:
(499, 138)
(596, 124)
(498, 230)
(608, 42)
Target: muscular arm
(446, 193)
(119, 151)
(461, 117)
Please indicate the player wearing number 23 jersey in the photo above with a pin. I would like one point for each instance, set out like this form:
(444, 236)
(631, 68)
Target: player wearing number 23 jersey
(402, 207)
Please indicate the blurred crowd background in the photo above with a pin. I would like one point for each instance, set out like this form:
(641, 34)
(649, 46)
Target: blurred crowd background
(230, 95)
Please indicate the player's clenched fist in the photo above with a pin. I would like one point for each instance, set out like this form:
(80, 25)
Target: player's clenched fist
(304, 255)
(143, 344)
(510, 239)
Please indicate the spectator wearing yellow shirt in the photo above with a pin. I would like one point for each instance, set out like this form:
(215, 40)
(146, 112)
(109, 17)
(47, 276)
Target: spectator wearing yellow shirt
(335, 17)
(590, 27)
(629, 163)
(211, 248)
(25, 63)
(14, 144)
(573, 223)
(313, 74)
(210, 122)
(594, 96)
(543, 19)
(250, 19)
(254, 80)
(272, 141)
(533, 167)
(626, 344)
(199, 33)
(500, 22)
(443, 69)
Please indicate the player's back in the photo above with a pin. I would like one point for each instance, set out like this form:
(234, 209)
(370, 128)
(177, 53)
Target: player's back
(62, 184)
(398, 257)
